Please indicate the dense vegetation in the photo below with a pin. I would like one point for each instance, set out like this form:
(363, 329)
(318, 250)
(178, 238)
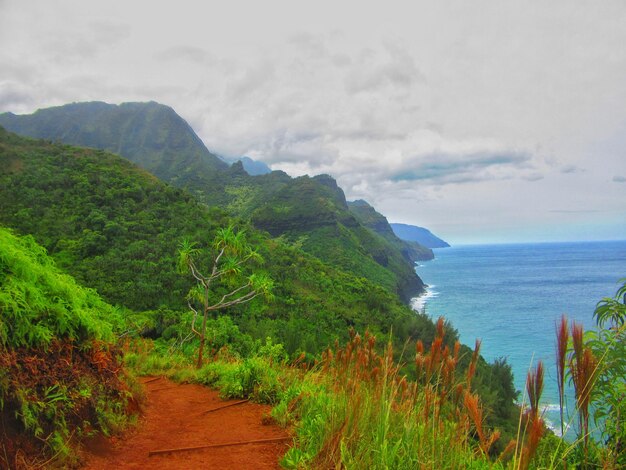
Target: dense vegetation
(116, 228)
(375, 221)
(314, 214)
(149, 134)
(311, 212)
(60, 371)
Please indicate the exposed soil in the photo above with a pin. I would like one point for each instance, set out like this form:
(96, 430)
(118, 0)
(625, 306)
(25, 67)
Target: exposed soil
(47, 378)
(174, 418)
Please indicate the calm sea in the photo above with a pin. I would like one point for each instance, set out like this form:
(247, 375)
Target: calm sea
(511, 296)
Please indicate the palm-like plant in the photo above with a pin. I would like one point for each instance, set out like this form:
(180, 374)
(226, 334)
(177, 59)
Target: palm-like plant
(230, 254)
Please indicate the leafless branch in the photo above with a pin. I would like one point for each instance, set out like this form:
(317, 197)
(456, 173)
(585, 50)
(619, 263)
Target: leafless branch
(194, 270)
(195, 315)
(241, 300)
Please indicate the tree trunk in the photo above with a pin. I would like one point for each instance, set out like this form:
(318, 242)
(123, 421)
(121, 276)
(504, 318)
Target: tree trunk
(202, 336)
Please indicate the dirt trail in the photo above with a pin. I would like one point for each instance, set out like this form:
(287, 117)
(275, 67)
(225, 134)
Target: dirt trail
(173, 418)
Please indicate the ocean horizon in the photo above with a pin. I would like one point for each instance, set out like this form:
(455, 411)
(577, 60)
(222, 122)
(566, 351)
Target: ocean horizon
(511, 296)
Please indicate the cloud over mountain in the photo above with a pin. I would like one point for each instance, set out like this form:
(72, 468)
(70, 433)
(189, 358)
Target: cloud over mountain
(425, 103)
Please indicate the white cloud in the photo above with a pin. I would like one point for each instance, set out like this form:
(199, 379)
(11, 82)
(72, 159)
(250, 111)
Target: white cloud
(448, 114)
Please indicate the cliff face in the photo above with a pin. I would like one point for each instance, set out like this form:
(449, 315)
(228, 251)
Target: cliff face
(418, 234)
(377, 222)
(314, 213)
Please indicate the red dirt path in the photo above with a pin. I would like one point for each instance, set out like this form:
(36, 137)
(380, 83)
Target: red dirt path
(173, 418)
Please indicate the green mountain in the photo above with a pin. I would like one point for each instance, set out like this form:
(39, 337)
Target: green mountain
(149, 134)
(254, 167)
(309, 212)
(116, 228)
(418, 234)
(313, 213)
(369, 217)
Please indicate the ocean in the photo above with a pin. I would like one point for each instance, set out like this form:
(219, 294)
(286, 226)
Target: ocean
(511, 297)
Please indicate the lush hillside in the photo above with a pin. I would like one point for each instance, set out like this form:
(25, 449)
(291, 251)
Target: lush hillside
(314, 214)
(101, 217)
(149, 134)
(418, 234)
(60, 372)
(370, 218)
(311, 210)
(116, 228)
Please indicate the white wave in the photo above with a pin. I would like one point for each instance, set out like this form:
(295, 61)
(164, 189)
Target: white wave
(550, 407)
(419, 303)
(555, 428)
(552, 427)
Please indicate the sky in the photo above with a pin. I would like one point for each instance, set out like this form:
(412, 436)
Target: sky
(485, 121)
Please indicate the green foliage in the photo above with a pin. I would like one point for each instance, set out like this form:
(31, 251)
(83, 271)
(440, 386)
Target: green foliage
(220, 282)
(251, 378)
(105, 221)
(260, 374)
(357, 411)
(612, 310)
(60, 375)
(317, 208)
(608, 344)
(39, 303)
(370, 218)
(68, 198)
(149, 134)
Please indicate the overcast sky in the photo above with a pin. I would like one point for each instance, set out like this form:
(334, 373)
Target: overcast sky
(485, 121)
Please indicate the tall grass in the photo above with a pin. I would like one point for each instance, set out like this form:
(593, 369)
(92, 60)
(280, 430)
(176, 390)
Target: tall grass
(534, 426)
(562, 338)
(576, 360)
(355, 409)
(368, 415)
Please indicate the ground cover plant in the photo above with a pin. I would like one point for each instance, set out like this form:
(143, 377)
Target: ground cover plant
(61, 375)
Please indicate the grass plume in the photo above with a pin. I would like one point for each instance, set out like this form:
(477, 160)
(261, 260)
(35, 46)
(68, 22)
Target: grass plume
(562, 338)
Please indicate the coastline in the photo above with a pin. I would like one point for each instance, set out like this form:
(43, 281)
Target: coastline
(419, 303)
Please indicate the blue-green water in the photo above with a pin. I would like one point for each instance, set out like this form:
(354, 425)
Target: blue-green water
(511, 296)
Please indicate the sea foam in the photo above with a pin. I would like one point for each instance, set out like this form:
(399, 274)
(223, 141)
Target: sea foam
(419, 303)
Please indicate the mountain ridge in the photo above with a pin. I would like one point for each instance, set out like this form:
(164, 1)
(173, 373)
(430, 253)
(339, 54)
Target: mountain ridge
(149, 134)
(368, 216)
(421, 235)
(115, 228)
(310, 212)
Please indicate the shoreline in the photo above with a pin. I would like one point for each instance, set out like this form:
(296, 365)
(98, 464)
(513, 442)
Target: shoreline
(419, 303)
